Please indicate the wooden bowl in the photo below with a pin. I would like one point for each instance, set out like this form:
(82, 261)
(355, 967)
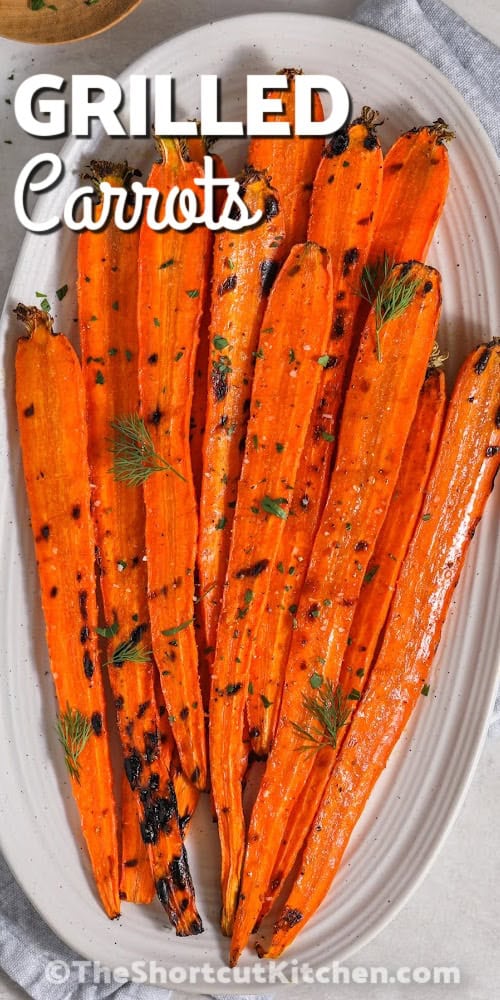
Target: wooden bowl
(69, 21)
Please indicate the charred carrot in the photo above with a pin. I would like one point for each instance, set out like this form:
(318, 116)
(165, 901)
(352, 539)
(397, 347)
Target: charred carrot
(107, 295)
(294, 336)
(186, 793)
(380, 404)
(458, 489)
(136, 877)
(244, 267)
(50, 409)
(372, 607)
(291, 163)
(343, 209)
(415, 183)
(172, 279)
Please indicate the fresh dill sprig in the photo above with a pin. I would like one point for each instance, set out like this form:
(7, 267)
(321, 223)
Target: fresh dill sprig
(393, 297)
(73, 730)
(330, 709)
(129, 652)
(135, 457)
(373, 275)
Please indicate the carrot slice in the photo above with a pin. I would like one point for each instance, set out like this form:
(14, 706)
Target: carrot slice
(186, 793)
(294, 335)
(50, 407)
(197, 151)
(172, 279)
(459, 486)
(290, 162)
(343, 209)
(380, 404)
(244, 267)
(372, 607)
(107, 293)
(136, 877)
(415, 183)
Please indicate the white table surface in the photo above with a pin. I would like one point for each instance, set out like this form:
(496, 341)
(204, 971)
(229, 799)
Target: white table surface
(453, 918)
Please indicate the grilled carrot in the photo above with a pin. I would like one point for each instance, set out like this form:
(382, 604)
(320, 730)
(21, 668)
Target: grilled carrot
(172, 279)
(107, 295)
(291, 163)
(244, 267)
(343, 209)
(380, 404)
(197, 151)
(459, 486)
(50, 409)
(294, 336)
(372, 607)
(136, 877)
(186, 793)
(415, 183)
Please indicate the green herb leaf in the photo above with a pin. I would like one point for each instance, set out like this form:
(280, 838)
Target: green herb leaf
(220, 343)
(73, 731)
(221, 523)
(315, 680)
(193, 293)
(354, 695)
(129, 652)
(425, 690)
(279, 447)
(271, 506)
(370, 573)
(44, 304)
(109, 631)
(324, 360)
(177, 628)
(373, 275)
(61, 292)
(135, 457)
(265, 701)
(166, 263)
(329, 712)
(327, 436)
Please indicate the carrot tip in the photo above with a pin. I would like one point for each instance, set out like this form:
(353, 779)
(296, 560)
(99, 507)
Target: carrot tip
(31, 316)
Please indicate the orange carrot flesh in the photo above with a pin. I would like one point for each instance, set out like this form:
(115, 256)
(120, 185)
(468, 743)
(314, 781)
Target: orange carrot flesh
(291, 163)
(394, 537)
(107, 292)
(244, 266)
(198, 410)
(298, 317)
(50, 407)
(343, 209)
(380, 404)
(458, 489)
(415, 183)
(373, 605)
(136, 877)
(172, 278)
